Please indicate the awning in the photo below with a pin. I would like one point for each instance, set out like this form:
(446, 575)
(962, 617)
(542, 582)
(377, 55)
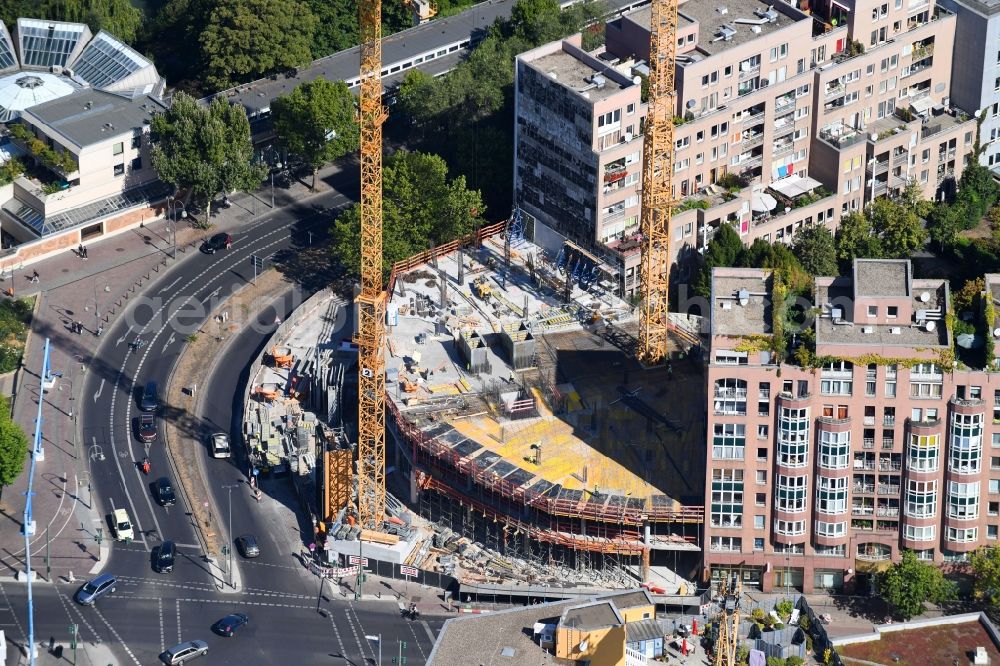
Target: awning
(763, 203)
(794, 185)
(922, 105)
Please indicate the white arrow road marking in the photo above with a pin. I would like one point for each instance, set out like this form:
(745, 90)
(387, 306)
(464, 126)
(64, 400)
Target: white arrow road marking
(167, 343)
(99, 389)
(124, 337)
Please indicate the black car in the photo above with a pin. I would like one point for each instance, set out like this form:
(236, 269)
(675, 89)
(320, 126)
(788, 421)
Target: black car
(228, 625)
(216, 243)
(165, 492)
(247, 545)
(147, 428)
(164, 558)
(149, 401)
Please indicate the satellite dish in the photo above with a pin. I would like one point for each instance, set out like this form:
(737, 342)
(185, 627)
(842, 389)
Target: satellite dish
(637, 80)
(925, 297)
(692, 103)
(930, 326)
(996, 332)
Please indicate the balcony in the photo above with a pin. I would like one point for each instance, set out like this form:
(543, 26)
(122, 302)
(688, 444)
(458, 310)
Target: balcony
(864, 464)
(869, 420)
(751, 114)
(888, 490)
(783, 102)
(888, 512)
(890, 466)
(868, 443)
(753, 140)
(864, 488)
(834, 90)
(889, 421)
(749, 72)
(888, 442)
(731, 393)
(841, 136)
(861, 510)
(878, 166)
(900, 159)
(874, 554)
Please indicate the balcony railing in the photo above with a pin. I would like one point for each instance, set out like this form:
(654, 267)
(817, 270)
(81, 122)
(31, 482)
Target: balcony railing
(888, 442)
(890, 467)
(731, 393)
(866, 488)
(750, 72)
(862, 510)
(864, 464)
(888, 512)
(888, 490)
(889, 421)
(874, 556)
(868, 443)
(869, 420)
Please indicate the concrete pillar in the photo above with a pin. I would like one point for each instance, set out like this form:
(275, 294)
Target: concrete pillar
(645, 565)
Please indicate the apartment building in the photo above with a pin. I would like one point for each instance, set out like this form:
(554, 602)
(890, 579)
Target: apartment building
(819, 477)
(786, 116)
(976, 67)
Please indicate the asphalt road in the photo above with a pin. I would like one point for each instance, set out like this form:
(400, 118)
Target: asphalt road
(150, 612)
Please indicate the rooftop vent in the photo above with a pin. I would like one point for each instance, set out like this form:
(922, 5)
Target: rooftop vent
(925, 296)
(29, 82)
(930, 326)
(724, 34)
(867, 330)
(769, 14)
(722, 9)
(553, 76)
(895, 330)
(598, 80)
(744, 297)
(837, 313)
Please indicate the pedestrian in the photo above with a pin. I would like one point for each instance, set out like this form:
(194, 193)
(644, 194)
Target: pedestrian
(34, 276)
(100, 329)
(84, 252)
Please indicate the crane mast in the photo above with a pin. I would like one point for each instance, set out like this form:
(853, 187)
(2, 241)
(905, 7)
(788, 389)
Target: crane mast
(371, 301)
(727, 644)
(657, 182)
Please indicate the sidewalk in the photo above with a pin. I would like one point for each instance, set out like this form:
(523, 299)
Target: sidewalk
(68, 287)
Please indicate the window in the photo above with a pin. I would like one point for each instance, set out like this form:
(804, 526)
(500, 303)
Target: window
(761, 476)
(136, 164)
(729, 441)
(831, 494)
(793, 437)
(892, 312)
(730, 543)
(965, 448)
(118, 148)
(925, 390)
(993, 508)
(914, 533)
(790, 527)
(963, 500)
(923, 453)
(921, 499)
(991, 531)
(760, 499)
(791, 495)
(731, 397)
(872, 310)
(831, 529)
(994, 486)
(758, 522)
(119, 169)
(963, 534)
(137, 141)
(833, 449)
(610, 120)
(758, 543)
(762, 429)
(727, 498)
(630, 109)
(838, 387)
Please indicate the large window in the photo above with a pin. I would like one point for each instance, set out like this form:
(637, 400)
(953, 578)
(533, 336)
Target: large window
(790, 527)
(834, 448)
(921, 499)
(966, 446)
(727, 543)
(963, 500)
(793, 437)
(727, 498)
(792, 493)
(924, 453)
(963, 534)
(831, 494)
(919, 533)
(731, 397)
(831, 529)
(835, 386)
(729, 441)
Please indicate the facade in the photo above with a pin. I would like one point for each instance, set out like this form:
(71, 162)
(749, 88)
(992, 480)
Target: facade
(76, 109)
(976, 66)
(817, 477)
(786, 116)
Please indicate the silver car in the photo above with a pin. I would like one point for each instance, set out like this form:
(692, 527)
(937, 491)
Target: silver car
(179, 654)
(94, 589)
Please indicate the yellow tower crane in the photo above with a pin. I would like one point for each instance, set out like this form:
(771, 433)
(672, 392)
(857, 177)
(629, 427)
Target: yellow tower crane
(730, 589)
(371, 300)
(657, 182)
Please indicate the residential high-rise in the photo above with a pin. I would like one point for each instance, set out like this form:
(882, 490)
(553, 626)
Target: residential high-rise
(787, 116)
(818, 476)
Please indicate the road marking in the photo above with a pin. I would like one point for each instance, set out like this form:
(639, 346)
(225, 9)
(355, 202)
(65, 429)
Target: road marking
(350, 609)
(24, 637)
(427, 628)
(416, 639)
(179, 639)
(83, 620)
(124, 337)
(179, 278)
(168, 342)
(336, 632)
(159, 610)
(354, 630)
(118, 637)
(99, 390)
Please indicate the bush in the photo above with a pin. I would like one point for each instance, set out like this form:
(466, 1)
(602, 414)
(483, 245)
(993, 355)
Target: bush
(15, 318)
(794, 660)
(784, 608)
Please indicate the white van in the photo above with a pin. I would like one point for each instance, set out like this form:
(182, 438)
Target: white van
(123, 526)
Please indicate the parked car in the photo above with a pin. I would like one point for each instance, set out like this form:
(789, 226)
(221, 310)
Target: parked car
(179, 654)
(147, 428)
(228, 625)
(122, 525)
(220, 445)
(165, 492)
(94, 589)
(149, 402)
(216, 243)
(248, 546)
(164, 558)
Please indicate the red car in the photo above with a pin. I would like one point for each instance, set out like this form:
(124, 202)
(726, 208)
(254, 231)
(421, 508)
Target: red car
(147, 428)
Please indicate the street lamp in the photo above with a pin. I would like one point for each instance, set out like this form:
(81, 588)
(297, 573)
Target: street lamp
(277, 165)
(229, 569)
(787, 572)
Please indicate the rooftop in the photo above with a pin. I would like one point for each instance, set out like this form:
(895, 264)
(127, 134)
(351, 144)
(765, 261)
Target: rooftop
(882, 277)
(574, 73)
(629, 599)
(741, 302)
(91, 116)
(718, 31)
(484, 639)
(591, 616)
(948, 640)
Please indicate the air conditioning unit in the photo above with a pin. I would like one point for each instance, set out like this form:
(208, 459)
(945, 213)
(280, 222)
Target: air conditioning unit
(56, 69)
(867, 330)
(895, 330)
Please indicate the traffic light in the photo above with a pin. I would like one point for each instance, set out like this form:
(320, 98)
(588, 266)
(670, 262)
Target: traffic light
(401, 661)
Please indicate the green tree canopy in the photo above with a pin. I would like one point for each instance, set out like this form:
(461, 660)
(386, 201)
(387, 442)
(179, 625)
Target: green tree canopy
(897, 226)
(207, 150)
(13, 446)
(724, 249)
(906, 585)
(815, 249)
(985, 564)
(118, 17)
(247, 39)
(420, 206)
(317, 121)
(855, 238)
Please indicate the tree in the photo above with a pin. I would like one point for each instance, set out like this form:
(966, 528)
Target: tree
(724, 249)
(420, 206)
(247, 39)
(815, 250)
(336, 26)
(985, 564)
(118, 17)
(943, 224)
(906, 585)
(317, 122)
(855, 238)
(206, 150)
(897, 226)
(13, 446)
